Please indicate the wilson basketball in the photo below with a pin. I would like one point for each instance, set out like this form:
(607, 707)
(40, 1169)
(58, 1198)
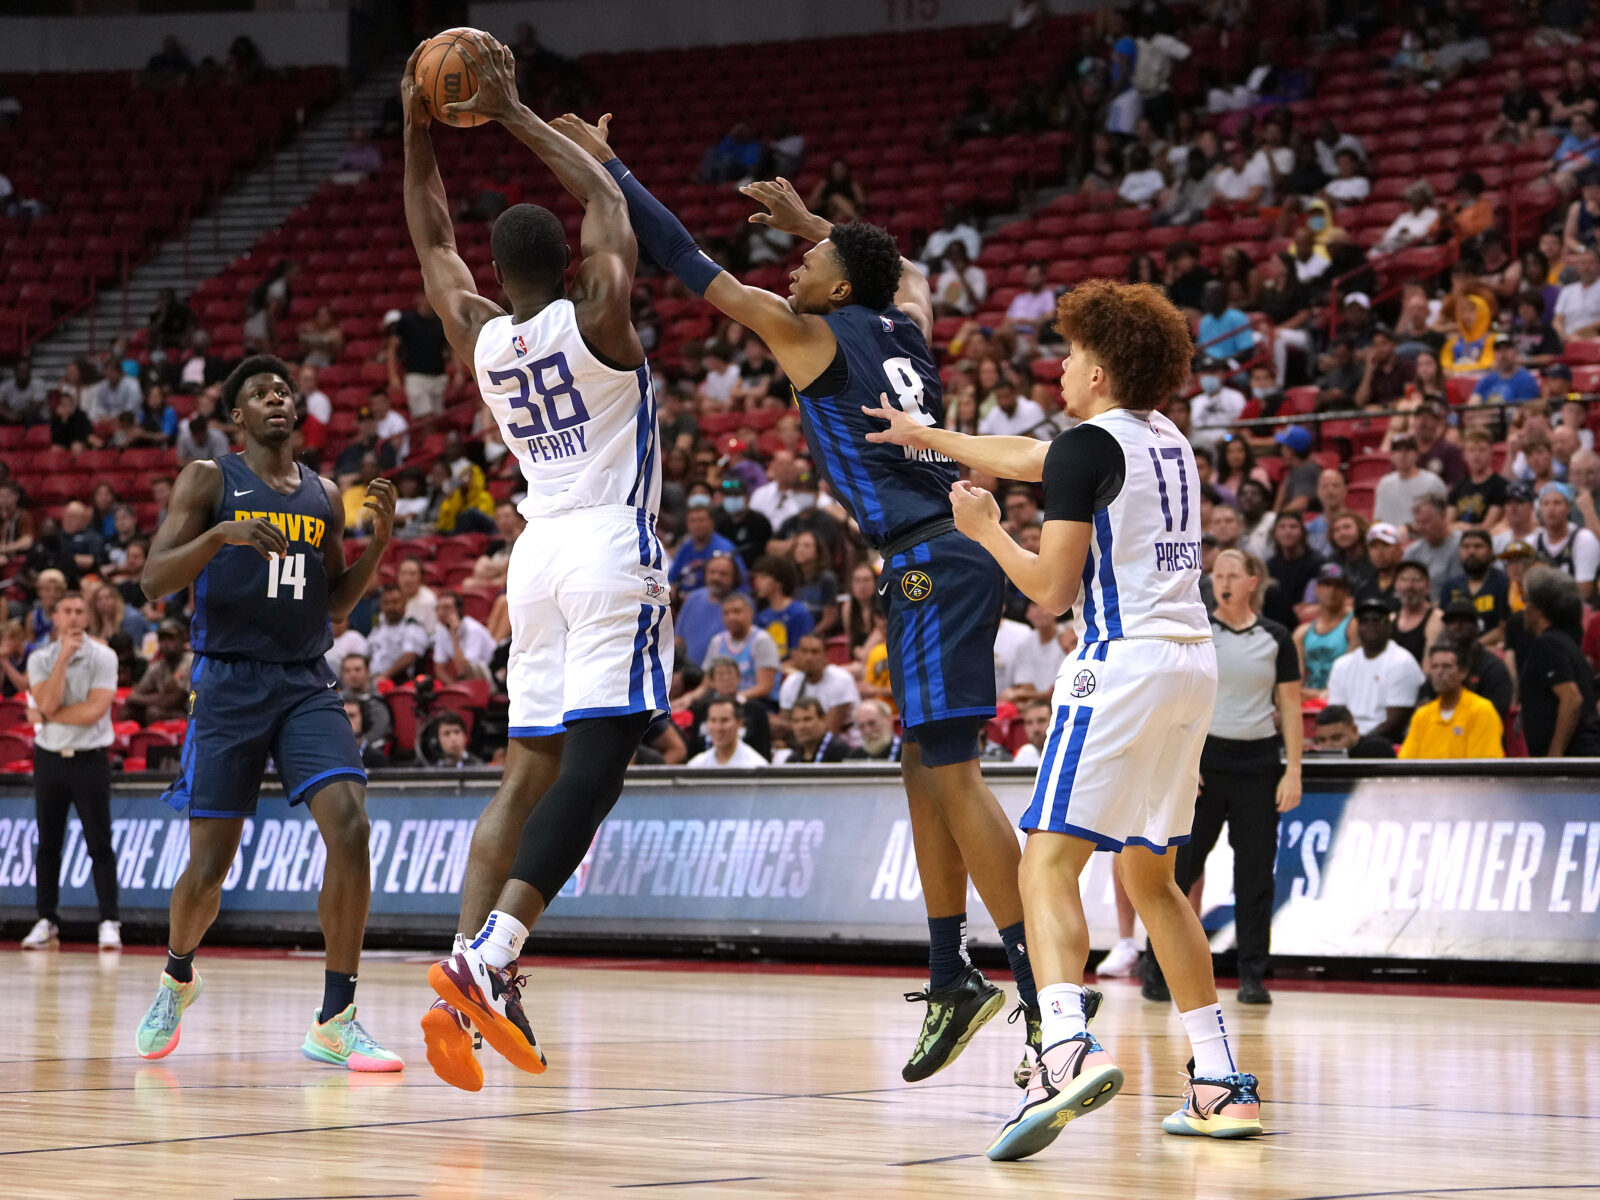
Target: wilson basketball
(446, 77)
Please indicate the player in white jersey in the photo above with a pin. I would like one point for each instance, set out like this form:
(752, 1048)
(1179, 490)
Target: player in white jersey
(591, 633)
(1121, 767)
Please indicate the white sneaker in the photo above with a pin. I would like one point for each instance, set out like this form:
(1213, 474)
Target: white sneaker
(42, 935)
(1122, 960)
(111, 935)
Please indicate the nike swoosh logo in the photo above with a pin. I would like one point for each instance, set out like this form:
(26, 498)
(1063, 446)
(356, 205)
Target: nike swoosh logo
(246, 492)
(334, 684)
(884, 588)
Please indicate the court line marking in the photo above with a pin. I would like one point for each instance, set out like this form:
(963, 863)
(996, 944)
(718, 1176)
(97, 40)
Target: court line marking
(353, 1196)
(923, 1162)
(1451, 1191)
(692, 1182)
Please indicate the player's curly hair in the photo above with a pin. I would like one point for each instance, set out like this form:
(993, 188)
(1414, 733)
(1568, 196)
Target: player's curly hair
(871, 261)
(256, 364)
(1138, 335)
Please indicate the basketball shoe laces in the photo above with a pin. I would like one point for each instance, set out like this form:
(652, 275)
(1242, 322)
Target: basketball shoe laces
(356, 1040)
(931, 1028)
(163, 1012)
(509, 987)
(1243, 1088)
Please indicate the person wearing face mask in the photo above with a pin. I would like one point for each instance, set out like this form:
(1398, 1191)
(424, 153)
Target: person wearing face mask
(1225, 332)
(747, 529)
(1215, 408)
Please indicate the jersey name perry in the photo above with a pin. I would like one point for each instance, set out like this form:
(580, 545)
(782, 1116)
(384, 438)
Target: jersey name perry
(548, 447)
(296, 527)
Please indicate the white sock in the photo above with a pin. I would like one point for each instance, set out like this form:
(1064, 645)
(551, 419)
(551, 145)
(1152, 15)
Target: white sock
(1208, 1038)
(460, 944)
(1060, 1013)
(500, 939)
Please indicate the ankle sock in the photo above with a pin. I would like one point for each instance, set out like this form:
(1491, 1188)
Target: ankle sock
(460, 944)
(500, 940)
(947, 950)
(1060, 1013)
(1021, 967)
(338, 993)
(180, 966)
(1208, 1038)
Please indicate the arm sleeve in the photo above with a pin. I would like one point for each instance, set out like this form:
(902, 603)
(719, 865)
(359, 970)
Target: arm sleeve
(1084, 471)
(662, 234)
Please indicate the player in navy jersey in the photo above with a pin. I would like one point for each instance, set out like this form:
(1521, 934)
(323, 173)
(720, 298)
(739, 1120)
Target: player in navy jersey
(261, 539)
(853, 328)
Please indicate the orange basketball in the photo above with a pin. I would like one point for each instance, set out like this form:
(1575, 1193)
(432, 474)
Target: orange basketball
(446, 77)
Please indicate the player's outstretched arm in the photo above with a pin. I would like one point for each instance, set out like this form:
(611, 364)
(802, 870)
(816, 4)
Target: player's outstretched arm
(187, 540)
(445, 277)
(1020, 458)
(803, 345)
(346, 585)
(1051, 577)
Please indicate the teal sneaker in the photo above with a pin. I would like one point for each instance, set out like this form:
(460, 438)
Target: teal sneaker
(344, 1043)
(158, 1032)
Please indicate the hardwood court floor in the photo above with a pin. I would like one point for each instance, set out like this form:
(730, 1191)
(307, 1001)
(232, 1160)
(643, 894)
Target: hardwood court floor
(745, 1084)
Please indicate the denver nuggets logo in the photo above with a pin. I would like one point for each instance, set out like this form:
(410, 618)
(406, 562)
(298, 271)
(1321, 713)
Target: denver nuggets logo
(1082, 683)
(916, 585)
(520, 345)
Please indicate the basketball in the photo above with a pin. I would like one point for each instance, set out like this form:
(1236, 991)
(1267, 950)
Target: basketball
(446, 77)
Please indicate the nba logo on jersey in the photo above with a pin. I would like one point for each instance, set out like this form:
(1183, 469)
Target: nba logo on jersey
(888, 325)
(653, 588)
(1082, 683)
(519, 346)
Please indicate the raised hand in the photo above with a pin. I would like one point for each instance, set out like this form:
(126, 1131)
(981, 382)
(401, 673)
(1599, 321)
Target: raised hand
(786, 212)
(411, 95)
(590, 138)
(380, 502)
(904, 430)
(496, 70)
(974, 509)
(258, 532)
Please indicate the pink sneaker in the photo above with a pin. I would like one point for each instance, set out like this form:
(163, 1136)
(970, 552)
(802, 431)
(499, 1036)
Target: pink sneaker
(1073, 1077)
(1219, 1108)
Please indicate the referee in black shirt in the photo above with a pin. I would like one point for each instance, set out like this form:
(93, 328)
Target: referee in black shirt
(1243, 780)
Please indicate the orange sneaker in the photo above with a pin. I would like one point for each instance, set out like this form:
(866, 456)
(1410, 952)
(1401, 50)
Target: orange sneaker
(448, 1036)
(491, 999)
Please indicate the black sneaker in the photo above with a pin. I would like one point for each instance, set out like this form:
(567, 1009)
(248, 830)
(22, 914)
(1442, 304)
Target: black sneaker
(1030, 1053)
(1154, 987)
(1254, 991)
(955, 1013)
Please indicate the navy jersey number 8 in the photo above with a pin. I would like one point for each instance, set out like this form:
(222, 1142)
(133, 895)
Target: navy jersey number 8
(546, 417)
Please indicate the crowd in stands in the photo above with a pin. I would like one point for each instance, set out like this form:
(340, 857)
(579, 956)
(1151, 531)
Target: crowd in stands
(1398, 538)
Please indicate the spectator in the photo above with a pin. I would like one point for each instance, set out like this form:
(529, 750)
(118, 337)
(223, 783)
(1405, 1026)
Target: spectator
(169, 66)
(700, 617)
(837, 197)
(1332, 493)
(418, 357)
(1509, 382)
(1032, 308)
(1399, 490)
(1341, 375)
(396, 640)
(1583, 475)
(781, 496)
(1327, 633)
(393, 430)
(1583, 217)
(874, 724)
(1522, 111)
(1186, 278)
(462, 647)
(1225, 332)
(321, 341)
(1485, 673)
(858, 609)
(721, 682)
(830, 685)
(812, 738)
(1242, 186)
(1484, 585)
(110, 615)
(467, 505)
(16, 526)
(1567, 547)
(371, 754)
(451, 731)
(818, 587)
(1577, 156)
(1336, 733)
(1578, 306)
(162, 694)
(158, 420)
(753, 649)
(686, 572)
(961, 286)
(1330, 141)
(1578, 93)
(84, 544)
(1293, 565)
(355, 686)
(1556, 684)
(1458, 723)
(1036, 717)
(1521, 522)
(24, 398)
(268, 302)
(1188, 199)
(200, 368)
(70, 427)
(1377, 682)
(956, 228)
(1143, 183)
(722, 726)
(1035, 660)
(1216, 407)
(1419, 621)
(1437, 546)
(171, 321)
(347, 642)
(1385, 375)
(747, 529)
(1012, 415)
(774, 580)
(1536, 342)
(199, 439)
(736, 156)
(1349, 186)
(1256, 517)
(1415, 226)
(421, 601)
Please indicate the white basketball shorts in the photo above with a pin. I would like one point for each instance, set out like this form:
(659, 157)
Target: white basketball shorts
(591, 619)
(1121, 766)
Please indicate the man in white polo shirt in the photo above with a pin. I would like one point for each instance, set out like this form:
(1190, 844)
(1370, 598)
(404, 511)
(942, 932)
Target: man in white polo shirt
(1378, 680)
(1012, 416)
(830, 686)
(71, 684)
(723, 724)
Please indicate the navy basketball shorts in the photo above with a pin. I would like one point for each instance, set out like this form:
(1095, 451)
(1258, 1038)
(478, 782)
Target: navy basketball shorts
(241, 714)
(943, 600)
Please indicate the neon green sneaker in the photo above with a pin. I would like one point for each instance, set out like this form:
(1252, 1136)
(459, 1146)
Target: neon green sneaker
(342, 1042)
(158, 1032)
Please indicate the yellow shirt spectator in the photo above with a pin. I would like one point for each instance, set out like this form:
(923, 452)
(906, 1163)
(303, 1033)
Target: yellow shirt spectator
(875, 672)
(1473, 730)
(471, 493)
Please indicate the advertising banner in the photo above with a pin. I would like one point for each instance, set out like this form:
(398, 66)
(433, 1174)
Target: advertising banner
(1380, 867)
